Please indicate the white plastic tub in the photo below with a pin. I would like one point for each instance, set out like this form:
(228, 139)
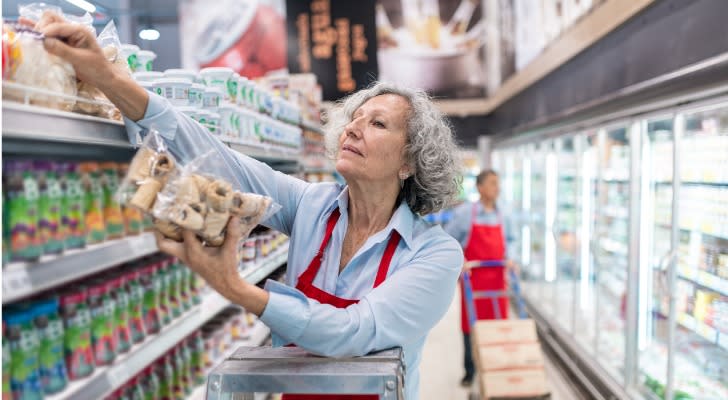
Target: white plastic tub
(229, 120)
(197, 91)
(217, 77)
(145, 60)
(148, 85)
(148, 76)
(211, 98)
(129, 52)
(176, 90)
(181, 73)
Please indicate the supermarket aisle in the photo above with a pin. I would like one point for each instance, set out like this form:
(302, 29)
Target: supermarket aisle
(441, 367)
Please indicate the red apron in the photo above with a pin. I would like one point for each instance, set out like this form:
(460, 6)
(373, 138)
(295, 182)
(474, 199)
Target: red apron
(485, 243)
(305, 285)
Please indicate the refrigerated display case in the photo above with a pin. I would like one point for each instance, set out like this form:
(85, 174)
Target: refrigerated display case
(623, 258)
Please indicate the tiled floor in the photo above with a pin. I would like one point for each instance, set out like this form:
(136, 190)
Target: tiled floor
(441, 368)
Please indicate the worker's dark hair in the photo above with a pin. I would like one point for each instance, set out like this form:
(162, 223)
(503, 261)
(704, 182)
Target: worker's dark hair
(483, 175)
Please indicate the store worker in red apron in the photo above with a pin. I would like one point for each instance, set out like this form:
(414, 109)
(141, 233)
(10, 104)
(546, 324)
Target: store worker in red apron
(479, 228)
(365, 271)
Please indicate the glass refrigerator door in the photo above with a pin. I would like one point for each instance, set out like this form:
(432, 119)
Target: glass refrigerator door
(564, 216)
(534, 196)
(612, 250)
(701, 352)
(656, 166)
(510, 169)
(585, 311)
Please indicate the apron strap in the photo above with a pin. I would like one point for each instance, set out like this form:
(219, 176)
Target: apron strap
(387, 258)
(310, 273)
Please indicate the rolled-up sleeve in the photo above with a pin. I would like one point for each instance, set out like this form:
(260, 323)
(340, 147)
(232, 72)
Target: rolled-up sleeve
(401, 310)
(188, 140)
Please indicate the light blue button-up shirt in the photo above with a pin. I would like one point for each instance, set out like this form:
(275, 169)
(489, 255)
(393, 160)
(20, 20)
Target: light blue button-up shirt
(420, 283)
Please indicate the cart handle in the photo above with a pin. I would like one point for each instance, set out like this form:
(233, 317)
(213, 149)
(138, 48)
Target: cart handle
(493, 295)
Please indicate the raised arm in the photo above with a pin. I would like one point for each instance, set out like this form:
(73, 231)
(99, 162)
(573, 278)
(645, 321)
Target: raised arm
(186, 138)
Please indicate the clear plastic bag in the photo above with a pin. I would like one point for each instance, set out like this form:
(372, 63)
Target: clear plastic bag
(201, 198)
(35, 11)
(33, 66)
(150, 169)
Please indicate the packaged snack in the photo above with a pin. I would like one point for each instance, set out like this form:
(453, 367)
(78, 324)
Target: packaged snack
(150, 384)
(7, 393)
(53, 373)
(77, 338)
(73, 208)
(132, 390)
(187, 378)
(197, 349)
(166, 311)
(175, 286)
(151, 285)
(178, 381)
(148, 172)
(23, 195)
(164, 369)
(49, 207)
(122, 315)
(197, 200)
(24, 346)
(102, 309)
(183, 293)
(133, 218)
(112, 209)
(94, 202)
(136, 305)
(32, 65)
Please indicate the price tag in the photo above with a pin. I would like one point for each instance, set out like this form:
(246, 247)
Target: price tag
(16, 282)
(118, 375)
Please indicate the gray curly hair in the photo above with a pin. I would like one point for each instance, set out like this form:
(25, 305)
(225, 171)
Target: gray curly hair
(430, 150)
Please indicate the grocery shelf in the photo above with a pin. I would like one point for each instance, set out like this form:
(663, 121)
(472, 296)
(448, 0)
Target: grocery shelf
(613, 246)
(107, 379)
(312, 126)
(695, 183)
(22, 279)
(256, 337)
(28, 129)
(704, 278)
(704, 330)
(265, 152)
(270, 264)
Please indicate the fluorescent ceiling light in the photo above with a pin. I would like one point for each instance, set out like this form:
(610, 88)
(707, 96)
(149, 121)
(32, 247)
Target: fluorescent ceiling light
(149, 34)
(83, 4)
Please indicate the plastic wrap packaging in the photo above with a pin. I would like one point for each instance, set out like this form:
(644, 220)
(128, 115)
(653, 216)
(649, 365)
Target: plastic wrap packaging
(200, 199)
(31, 65)
(109, 42)
(149, 170)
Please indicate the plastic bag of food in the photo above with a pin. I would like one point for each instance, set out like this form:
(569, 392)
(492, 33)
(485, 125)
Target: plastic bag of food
(109, 41)
(31, 65)
(149, 170)
(202, 199)
(34, 12)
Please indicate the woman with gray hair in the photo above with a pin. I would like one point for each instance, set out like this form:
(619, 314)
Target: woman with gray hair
(365, 271)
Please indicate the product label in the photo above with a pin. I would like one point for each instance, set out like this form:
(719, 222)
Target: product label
(112, 210)
(232, 89)
(121, 317)
(132, 61)
(136, 311)
(49, 222)
(95, 211)
(25, 242)
(52, 364)
(151, 308)
(24, 372)
(72, 217)
(102, 332)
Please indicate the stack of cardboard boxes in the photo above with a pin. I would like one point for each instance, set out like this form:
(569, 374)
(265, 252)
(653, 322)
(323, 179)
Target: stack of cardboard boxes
(509, 359)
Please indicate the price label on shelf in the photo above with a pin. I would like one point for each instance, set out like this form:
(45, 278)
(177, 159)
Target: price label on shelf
(16, 282)
(118, 375)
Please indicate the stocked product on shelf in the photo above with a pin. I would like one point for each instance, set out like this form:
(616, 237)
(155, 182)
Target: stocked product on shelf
(259, 245)
(702, 208)
(704, 153)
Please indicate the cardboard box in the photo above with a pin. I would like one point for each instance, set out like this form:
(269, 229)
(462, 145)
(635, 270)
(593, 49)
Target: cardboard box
(516, 383)
(510, 356)
(490, 332)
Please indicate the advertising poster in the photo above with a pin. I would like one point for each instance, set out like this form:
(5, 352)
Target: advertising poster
(336, 41)
(248, 36)
(434, 45)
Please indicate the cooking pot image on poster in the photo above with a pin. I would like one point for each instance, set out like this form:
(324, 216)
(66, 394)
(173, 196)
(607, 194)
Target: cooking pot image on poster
(247, 36)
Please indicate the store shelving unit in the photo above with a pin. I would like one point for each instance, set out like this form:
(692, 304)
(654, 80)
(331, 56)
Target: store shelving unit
(312, 126)
(21, 279)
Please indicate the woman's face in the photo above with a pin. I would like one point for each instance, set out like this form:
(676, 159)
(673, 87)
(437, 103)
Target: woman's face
(371, 145)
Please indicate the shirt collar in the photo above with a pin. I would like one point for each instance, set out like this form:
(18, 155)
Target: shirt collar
(402, 220)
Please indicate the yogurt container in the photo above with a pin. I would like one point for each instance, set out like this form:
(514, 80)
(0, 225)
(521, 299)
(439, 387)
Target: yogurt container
(232, 87)
(189, 111)
(129, 52)
(181, 73)
(241, 98)
(197, 91)
(213, 123)
(212, 97)
(203, 116)
(229, 120)
(217, 77)
(145, 60)
(246, 121)
(176, 90)
(147, 76)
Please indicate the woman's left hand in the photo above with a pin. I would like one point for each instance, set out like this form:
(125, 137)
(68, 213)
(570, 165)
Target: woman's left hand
(217, 265)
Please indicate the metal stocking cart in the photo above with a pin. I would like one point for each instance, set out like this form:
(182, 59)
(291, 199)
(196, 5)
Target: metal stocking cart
(293, 370)
(506, 352)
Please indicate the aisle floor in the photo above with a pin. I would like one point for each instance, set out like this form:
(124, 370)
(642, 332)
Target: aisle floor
(441, 368)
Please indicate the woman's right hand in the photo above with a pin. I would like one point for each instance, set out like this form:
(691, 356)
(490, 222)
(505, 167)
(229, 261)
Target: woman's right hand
(77, 45)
